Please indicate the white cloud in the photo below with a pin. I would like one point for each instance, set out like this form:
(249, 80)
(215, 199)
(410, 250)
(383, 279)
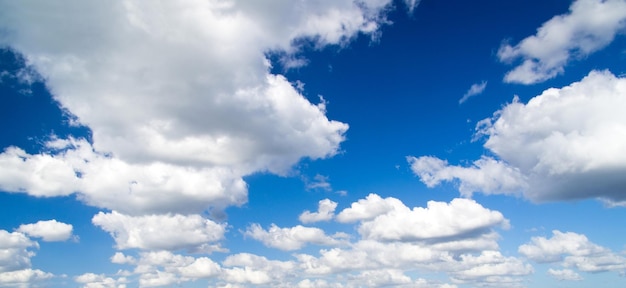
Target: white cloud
(487, 175)
(589, 26)
(91, 280)
(120, 258)
(14, 251)
(245, 268)
(155, 232)
(188, 99)
(368, 208)
(438, 220)
(545, 149)
(564, 275)
(474, 90)
(325, 212)
(23, 278)
(50, 230)
(574, 251)
(292, 238)
(319, 182)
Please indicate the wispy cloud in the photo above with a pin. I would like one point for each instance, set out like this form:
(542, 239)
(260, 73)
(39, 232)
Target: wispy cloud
(476, 89)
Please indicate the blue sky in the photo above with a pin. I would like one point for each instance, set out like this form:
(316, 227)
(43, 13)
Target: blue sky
(313, 143)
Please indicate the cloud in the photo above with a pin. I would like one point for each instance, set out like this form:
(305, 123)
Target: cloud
(15, 251)
(292, 238)
(487, 175)
(325, 212)
(438, 220)
(589, 26)
(49, 231)
(368, 208)
(319, 182)
(474, 90)
(246, 268)
(545, 150)
(564, 275)
(15, 265)
(161, 232)
(91, 280)
(120, 258)
(23, 278)
(574, 251)
(188, 99)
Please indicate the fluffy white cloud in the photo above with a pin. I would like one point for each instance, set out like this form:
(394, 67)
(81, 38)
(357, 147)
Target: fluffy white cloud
(120, 258)
(22, 278)
(573, 250)
(564, 274)
(188, 99)
(546, 150)
(14, 253)
(292, 238)
(325, 212)
(474, 90)
(368, 208)
(155, 232)
(50, 230)
(245, 268)
(438, 220)
(589, 26)
(91, 280)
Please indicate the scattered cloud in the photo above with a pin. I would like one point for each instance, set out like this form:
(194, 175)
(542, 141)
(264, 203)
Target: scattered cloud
(474, 90)
(293, 238)
(589, 26)
(91, 280)
(162, 232)
(325, 212)
(49, 231)
(572, 250)
(544, 150)
(564, 275)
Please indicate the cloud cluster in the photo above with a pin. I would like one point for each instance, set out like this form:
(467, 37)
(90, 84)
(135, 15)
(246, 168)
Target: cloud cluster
(563, 144)
(391, 244)
(15, 265)
(572, 250)
(589, 26)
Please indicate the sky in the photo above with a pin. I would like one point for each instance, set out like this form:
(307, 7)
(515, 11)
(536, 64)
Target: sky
(317, 143)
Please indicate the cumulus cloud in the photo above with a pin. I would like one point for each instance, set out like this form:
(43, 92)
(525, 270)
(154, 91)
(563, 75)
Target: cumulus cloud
(120, 258)
(325, 212)
(564, 275)
(545, 150)
(246, 268)
(589, 26)
(15, 265)
(91, 280)
(161, 232)
(23, 278)
(188, 99)
(572, 250)
(50, 230)
(15, 251)
(475, 89)
(437, 220)
(487, 175)
(368, 208)
(292, 238)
